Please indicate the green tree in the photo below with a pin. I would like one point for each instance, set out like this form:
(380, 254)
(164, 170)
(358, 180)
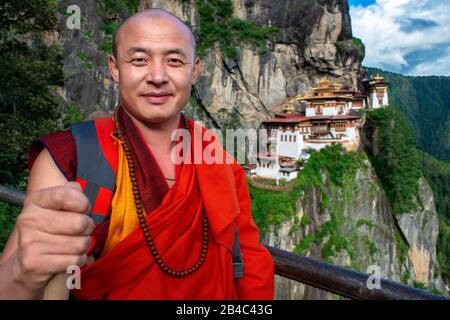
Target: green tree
(397, 163)
(438, 175)
(28, 108)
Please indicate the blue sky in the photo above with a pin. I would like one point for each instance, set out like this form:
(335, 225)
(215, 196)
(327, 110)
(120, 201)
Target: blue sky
(360, 2)
(411, 37)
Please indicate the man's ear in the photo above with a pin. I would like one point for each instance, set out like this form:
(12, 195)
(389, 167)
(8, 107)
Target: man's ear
(113, 68)
(196, 70)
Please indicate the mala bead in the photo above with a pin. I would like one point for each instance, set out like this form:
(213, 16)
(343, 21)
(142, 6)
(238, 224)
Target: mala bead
(118, 133)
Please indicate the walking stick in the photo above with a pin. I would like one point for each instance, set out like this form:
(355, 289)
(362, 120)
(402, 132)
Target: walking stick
(56, 288)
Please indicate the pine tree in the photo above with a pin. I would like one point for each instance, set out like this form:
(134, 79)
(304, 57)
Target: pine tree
(30, 68)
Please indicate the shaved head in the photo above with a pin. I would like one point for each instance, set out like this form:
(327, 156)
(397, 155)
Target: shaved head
(153, 14)
(154, 66)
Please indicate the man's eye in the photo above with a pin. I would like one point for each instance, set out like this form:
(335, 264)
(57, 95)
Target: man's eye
(138, 61)
(175, 62)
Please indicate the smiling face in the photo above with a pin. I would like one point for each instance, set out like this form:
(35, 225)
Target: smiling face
(155, 67)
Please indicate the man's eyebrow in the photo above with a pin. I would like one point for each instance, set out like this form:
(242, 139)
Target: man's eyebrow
(175, 51)
(136, 49)
(166, 52)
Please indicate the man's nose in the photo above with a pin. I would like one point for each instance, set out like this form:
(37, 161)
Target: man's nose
(156, 74)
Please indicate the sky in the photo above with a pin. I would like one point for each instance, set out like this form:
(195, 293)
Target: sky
(411, 37)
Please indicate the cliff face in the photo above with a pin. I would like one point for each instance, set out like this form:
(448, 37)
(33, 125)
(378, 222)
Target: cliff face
(421, 228)
(367, 235)
(314, 39)
(88, 84)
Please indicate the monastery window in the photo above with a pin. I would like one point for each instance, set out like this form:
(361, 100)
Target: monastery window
(290, 138)
(295, 138)
(318, 109)
(340, 126)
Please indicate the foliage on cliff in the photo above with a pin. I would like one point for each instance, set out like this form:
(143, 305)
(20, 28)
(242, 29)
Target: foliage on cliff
(396, 163)
(112, 12)
(437, 174)
(270, 208)
(217, 25)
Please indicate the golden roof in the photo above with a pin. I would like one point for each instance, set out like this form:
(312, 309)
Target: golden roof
(323, 83)
(287, 108)
(378, 77)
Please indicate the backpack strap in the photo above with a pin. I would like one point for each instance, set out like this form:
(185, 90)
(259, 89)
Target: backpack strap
(238, 265)
(96, 166)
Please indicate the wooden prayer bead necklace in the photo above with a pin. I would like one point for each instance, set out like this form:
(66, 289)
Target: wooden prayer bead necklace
(143, 223)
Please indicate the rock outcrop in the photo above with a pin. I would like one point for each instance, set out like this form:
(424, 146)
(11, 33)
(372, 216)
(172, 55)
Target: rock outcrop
(402, 250)
(421, 228)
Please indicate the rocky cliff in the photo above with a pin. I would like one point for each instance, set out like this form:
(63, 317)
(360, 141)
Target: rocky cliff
(353, 225)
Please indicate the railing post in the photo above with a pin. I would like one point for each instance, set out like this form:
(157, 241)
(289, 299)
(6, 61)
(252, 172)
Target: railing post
(11, 196)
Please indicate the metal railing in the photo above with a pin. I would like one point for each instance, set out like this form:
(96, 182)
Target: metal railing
(342, 281)
(313, 272)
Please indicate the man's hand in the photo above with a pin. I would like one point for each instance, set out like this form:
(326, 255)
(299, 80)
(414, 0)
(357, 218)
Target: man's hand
(53, 233)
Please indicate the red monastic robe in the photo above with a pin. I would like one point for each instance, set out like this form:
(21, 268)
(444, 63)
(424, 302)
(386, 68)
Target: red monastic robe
(174, 220)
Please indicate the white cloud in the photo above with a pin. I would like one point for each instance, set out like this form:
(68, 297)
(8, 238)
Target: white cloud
(395, 30)
(439, 67)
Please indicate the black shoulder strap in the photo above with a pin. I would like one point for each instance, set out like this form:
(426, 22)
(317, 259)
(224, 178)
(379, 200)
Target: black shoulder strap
(238, 265)
(92, 166)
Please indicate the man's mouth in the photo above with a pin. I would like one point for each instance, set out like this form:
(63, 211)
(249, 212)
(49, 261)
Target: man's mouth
(157, 97)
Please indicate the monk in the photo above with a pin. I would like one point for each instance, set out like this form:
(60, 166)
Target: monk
(168, 229)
